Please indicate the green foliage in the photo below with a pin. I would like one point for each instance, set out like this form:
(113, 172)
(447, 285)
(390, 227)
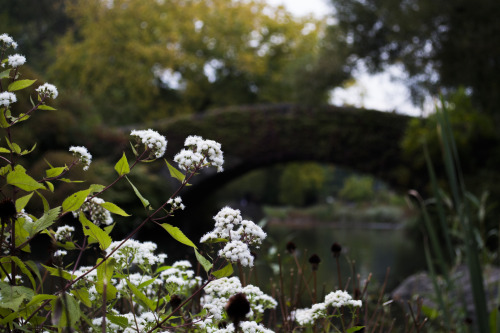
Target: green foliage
(439, 43)
(358, 188)
(163, 58)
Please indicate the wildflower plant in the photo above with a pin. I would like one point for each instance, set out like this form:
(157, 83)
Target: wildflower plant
(131, 287)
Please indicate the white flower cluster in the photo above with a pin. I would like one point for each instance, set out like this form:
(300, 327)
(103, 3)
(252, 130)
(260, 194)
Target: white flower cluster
(64, 233)
(179, 277)
(135, 252)
(152, 140)
(82, 154)
(245, 327)
(7, 41)
(176, 203)
(218, 292)
(7, 98)
(16, 60)
(60, 253)
(200, 153)
(47, 90)
(240, 233)
(334, 299)
(144, 322)
(237, 251)
(97, 214)
(150, 289)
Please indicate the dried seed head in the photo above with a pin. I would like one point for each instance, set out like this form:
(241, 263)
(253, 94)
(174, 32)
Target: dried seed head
(7, 210)
(314, 260)
(290, 247)
(336, 249)
(237, 308)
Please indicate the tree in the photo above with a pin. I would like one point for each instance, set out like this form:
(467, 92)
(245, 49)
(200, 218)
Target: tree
(141, 60)
(440, 43)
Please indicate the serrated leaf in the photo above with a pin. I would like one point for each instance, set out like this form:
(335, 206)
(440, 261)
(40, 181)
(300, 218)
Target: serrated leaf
(45, 221)
(82, 295)
(20, 264)
(66, 311)
(118, 320)
(122, 166)
(94, 232)
(226, 271)
(21, 235)
(175, 173)
(4, 170)
(178, 235)
(75, 201)
(141, 297)
(114, 209)
(46, 107)
(55, 172)
(110, 290)
(22, 202)
(13, 296)
(144, 201)
(20, 84)
(20, 179)
(207, 265)
(59, 272)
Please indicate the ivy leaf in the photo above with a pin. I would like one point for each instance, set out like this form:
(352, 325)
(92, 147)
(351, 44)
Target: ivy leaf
(20, 84)
(94, 232)
(75, 201)
(207, 265)
(226, 271)
(114, 208)
(122, 166)
(20, 179)
(177, 234)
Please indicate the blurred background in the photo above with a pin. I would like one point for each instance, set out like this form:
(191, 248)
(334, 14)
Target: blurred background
(289, 92)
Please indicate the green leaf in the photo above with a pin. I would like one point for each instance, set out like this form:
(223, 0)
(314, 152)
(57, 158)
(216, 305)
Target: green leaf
(20, 179)
(94, 232)
(5, 74)
(177, 234)
(45, 221)
(22, 202)
(354, 329)
(4, 150)
(144, 201)
(110, 290)
(122, 166)
(207, 265)
(118, 320)
(21, 235)
(4, 170)
(13, 296)
(175, 173)
(20, 84)
(114, 208)
(46, 206)
(59, 272)
(49, 185)
(21, 265)
(141, 298)
(96, 188)
(3, 121)
(75, 201)
(37, 299)
(226, 271)
(55, 172)
(66, 311)
(46, 107)
(82, 295)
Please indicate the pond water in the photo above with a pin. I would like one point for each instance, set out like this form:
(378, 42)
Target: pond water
(371, 248)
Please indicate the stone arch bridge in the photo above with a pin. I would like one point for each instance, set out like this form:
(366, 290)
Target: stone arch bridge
(366, 141)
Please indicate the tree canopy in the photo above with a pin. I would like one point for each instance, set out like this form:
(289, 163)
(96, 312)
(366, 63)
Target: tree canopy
(441, 43)
(148, 59)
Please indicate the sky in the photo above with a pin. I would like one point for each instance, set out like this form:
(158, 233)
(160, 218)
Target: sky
(380, 92)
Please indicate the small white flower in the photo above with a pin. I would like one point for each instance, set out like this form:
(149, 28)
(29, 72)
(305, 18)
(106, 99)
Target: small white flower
(237, 251)
(176, 203)
(7, 41)
(16, 60)
(83, 155)
(7, 98)
(98, 214)
(152, 140)
(63, 233)
(47, 90)
(200, 153)
(60, 253)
